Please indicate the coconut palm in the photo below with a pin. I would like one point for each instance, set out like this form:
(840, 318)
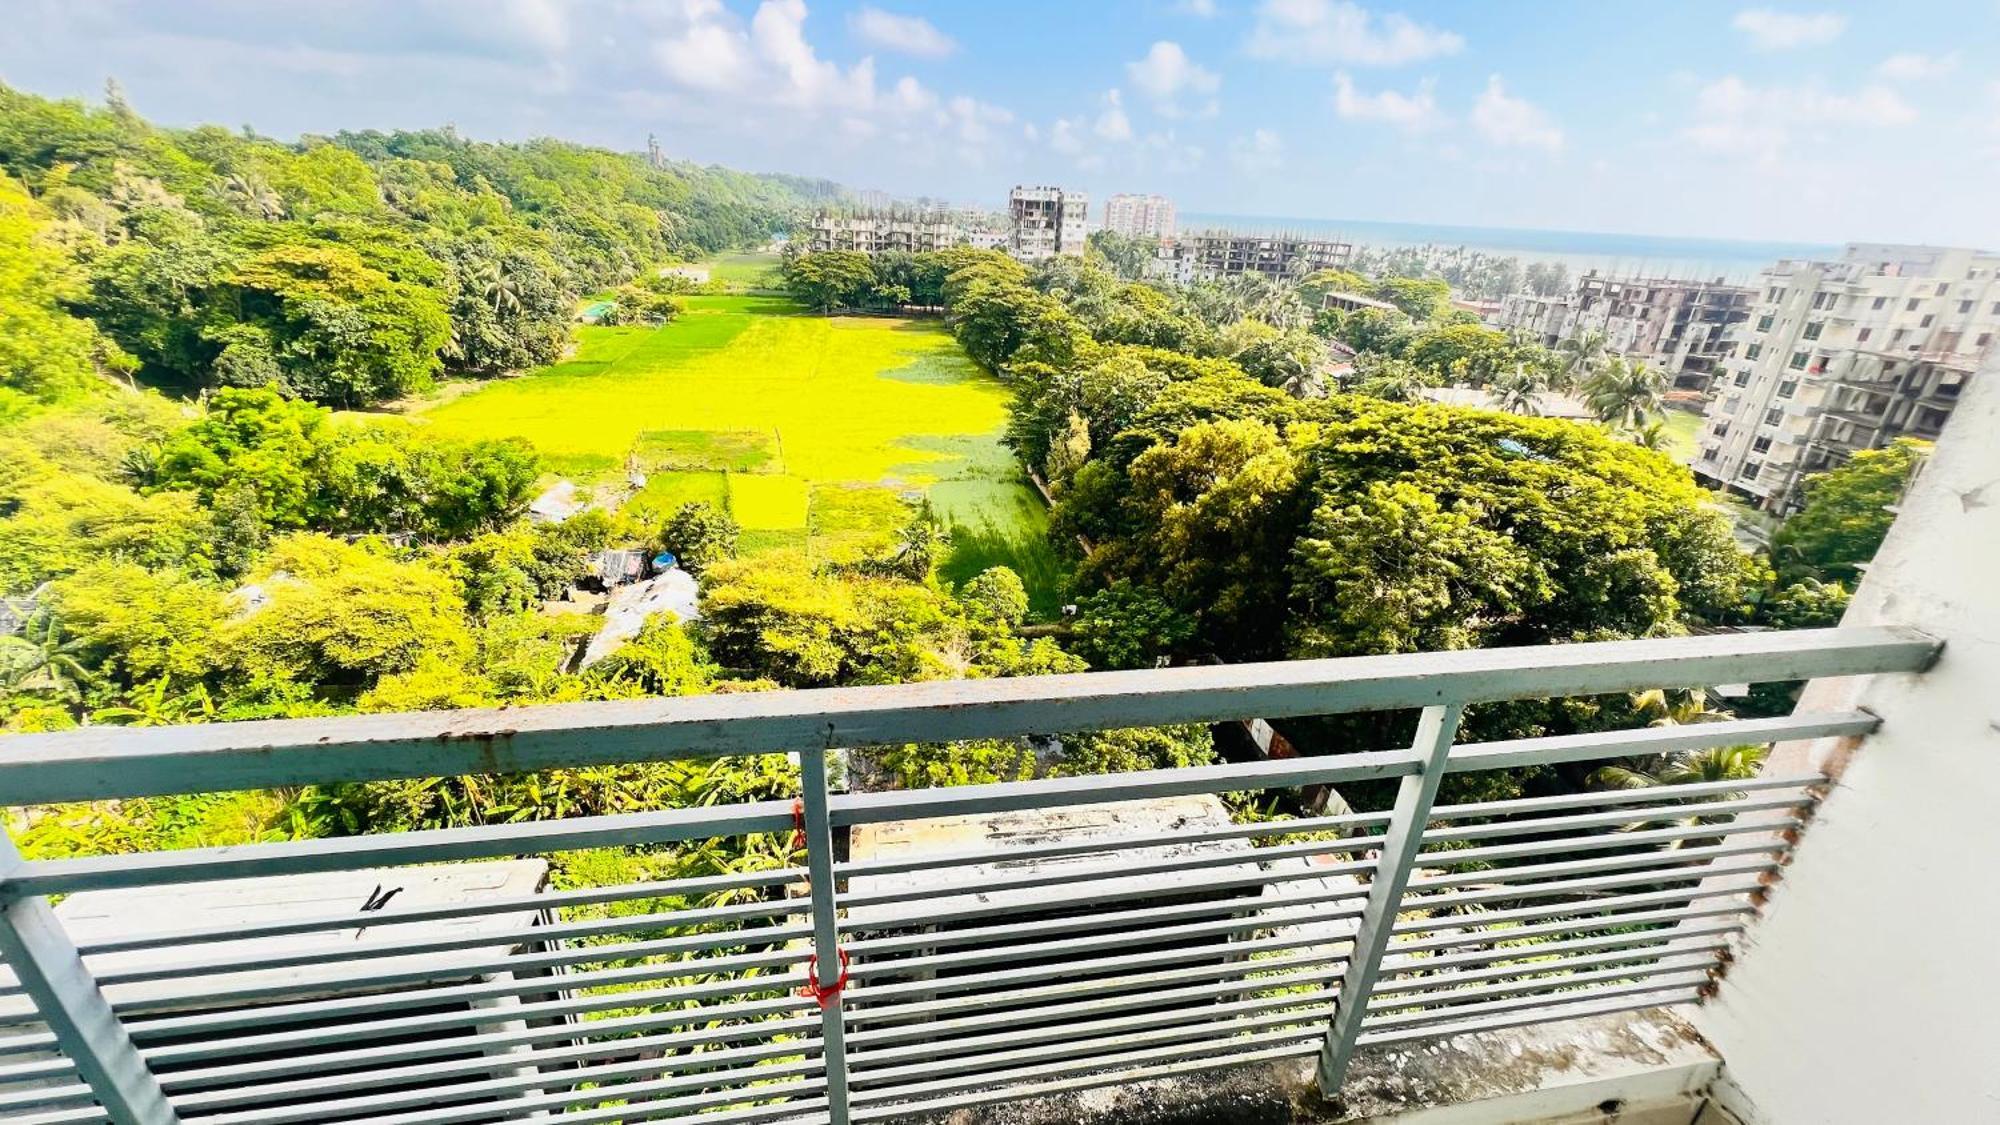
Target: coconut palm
(249, 193)
(1689, 767)
(1625, 393)
(1579, 357)
(500, 286)
(1652, 435)
(1520, 392)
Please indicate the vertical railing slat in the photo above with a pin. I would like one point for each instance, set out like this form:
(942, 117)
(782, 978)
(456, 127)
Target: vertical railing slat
(1400, 845)
(826, 929)
(68, 1000)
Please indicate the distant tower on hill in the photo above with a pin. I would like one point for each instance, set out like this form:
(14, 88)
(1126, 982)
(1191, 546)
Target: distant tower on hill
(654, 156)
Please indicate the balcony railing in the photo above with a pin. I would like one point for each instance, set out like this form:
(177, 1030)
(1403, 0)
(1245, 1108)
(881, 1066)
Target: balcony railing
(862, 983)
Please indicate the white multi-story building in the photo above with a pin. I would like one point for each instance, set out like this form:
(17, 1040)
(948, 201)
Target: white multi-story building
(1045, 221)
(1223, 254)
(879, 232)
(1677, 326)
(1843, 356)
(1140, 216)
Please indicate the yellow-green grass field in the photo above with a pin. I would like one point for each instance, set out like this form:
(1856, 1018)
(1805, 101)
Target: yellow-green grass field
(1682, 427)
(815, 432)
(748, 271)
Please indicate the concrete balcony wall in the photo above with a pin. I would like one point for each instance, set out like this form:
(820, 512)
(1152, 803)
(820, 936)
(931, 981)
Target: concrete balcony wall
(1870, 991)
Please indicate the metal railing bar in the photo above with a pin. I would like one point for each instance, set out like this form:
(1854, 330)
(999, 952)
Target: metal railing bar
(532, 935)
(213, 1021)
(97, 763)
(1071, 1048)
(1094, 789)
(519, 1037)
(543, 901)
(806, 1112)
(531, 1087)
(1244, 971)
(1245, 907)
(937, 1034)
(1648, 795)
(1586, 906)
(1689, 858)
(1509, 892)
(1649, 741)
(1497, 954)
(1552, 1014)
(1197, 1022)
(1445, 999)
(434, 1021)
(1024, 904)
(1044, 1087)
(518, 1062)
(531, 1103)
(1686, 979)
(346, 853)
(36, 1070)
(32, 1041)
(867, 970)
(854, 870)
(1248, 1043)
(1649, 815)
(459, 970)
(82, 1115)
(1482, 936)
(18, 1099)
(1650, 953)
(1600, 841)
(1244, 858)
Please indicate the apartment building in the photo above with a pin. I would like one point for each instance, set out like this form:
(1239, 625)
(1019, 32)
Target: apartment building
(1043, 222)
(1846, 355)
(1222, 254)
(1140, 216)
(1676, 325)
(875, 232)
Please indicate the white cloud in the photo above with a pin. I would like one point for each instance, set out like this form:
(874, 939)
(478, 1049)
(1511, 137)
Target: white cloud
(1199, 9)
(1412, 112)
(1260, 151)
(1511, 122)
(1732, 116)
(1166, 72)
(1112, 124)
(1339, 31)
(1772, 30)
(911, 35)
(1066, 137)
(1910, 66)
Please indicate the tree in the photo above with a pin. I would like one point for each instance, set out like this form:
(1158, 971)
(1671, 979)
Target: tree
(1422, 298)
(1127, 626)
(1690, 767)
(699, 534)
(996, 595)
(1846, 514)
(829, 278)
(1807, 604)
(1520, 392)
(1578, 358)
(45, 353)
(1626, 393)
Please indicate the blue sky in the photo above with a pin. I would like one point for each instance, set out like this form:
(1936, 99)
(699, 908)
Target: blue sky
(1812, 123)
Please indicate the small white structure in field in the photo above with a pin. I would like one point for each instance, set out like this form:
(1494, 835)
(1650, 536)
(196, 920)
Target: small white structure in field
(696, 274)
(625, 613)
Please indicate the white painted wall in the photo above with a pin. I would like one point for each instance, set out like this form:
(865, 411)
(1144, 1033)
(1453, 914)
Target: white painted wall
(1871, 990)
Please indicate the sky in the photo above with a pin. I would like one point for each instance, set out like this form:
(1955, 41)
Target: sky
(1810, 123)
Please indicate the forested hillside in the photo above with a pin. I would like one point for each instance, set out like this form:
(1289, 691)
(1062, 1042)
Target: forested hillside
(356, 268)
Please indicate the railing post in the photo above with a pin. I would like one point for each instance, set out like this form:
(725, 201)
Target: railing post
(1400, 845)
(827, 963)
(68, 1000)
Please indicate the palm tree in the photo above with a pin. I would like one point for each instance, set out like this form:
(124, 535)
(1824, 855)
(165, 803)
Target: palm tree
(151, 706)
(1652, 435)
(1520, 392)
(39, 659)
(1689, 767)
(250, 194)
(1579, 357)
(1626, 393)
(500, 286)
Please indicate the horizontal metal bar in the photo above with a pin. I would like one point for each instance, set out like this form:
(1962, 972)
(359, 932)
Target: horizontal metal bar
(1496, 954)
(1414, 977)
(45, 1096)
(81, 1115)
(767, 1019)
(1648, 795)
(1686, 978)
(794, 1111)
(682, 1088)
(96, 763)
(1531, 826)
(1550, 1014)
(1544, 986)
(1692, 859)
(1649, 741)
(345, 853)
(1683, 896)
(382, 919)
(1510, 892)
(36, 1070)
(1478, 936)
(1642, 839)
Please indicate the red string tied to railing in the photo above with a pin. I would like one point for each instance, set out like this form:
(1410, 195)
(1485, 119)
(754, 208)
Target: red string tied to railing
(823, 994)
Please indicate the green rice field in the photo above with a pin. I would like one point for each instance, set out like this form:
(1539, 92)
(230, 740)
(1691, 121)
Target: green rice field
(816, 433)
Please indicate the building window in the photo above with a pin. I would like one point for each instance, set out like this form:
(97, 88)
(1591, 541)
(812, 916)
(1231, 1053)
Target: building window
(1879, 302)
(1926, 321)
(1965, 306)
(1753, 351)
(1814, 329)
(1764, 323)
(1942, 286)
(1774, 416)
(1760, 445)
(1786, 388)
(1862, 338)
(1910, 305)
(1799, 360)
(1750, 469)
(1819, 300)
(1721, 429)
(1985, 338)
(1742, 378)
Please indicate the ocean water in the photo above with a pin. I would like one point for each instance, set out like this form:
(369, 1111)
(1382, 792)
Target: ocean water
(1622, 255)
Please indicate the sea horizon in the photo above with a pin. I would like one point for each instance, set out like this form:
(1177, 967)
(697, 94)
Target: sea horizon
(1624, 255)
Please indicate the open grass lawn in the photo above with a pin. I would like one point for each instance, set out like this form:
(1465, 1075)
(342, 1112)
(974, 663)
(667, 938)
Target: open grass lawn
(816, 432)
(746, 272)
(1682, 426)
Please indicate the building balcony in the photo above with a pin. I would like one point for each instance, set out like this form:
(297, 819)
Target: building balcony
(1080, 948)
